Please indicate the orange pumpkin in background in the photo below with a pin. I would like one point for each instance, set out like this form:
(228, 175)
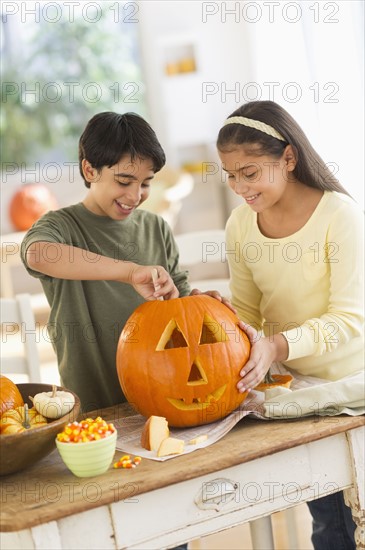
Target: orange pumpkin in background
(10, 396)
(29, 203)
(181, 359)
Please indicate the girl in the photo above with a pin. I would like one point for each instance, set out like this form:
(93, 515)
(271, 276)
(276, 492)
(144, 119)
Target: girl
(296, 271)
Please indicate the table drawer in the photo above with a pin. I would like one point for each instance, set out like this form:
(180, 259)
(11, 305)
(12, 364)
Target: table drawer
(238, 494)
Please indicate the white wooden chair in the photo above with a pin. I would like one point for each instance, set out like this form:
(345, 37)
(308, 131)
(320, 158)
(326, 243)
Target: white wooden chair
(19, 352)
(203, 254)
(12, 269)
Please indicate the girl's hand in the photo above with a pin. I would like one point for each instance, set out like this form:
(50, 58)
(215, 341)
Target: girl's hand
(142, 281)
(264, 351)
(214, 294)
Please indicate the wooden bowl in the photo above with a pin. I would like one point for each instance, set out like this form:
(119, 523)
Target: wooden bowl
(18, 451)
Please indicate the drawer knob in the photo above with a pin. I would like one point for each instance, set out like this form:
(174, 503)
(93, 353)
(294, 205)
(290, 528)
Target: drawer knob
(216, 493)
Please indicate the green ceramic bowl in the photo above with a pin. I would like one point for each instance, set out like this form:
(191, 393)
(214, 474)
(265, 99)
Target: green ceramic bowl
(88, 459)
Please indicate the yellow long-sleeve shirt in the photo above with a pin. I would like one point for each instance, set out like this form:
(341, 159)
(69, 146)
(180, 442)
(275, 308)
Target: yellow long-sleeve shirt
(308, 286)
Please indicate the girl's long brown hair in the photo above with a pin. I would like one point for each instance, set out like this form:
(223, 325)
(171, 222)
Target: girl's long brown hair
(310, 169)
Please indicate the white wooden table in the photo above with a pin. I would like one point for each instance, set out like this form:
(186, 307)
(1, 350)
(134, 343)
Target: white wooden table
(260, 467)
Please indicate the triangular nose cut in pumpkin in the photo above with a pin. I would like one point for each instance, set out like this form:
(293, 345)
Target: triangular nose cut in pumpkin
(197, 376)
(181, 359)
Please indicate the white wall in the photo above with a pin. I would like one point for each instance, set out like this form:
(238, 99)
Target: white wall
(223, 56)
(313, 48)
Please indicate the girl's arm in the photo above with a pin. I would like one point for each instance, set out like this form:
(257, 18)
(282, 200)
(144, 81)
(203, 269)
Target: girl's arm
(246, 298)
(343, 319)
(69, 262)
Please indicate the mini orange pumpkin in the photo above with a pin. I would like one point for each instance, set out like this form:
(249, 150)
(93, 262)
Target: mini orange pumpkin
(14, 421)
(10, 396)
(29, 204)
(181, 359)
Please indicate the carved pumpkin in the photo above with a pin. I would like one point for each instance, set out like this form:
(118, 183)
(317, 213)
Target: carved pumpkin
(181, 358)
(10, 396)
(29, 204)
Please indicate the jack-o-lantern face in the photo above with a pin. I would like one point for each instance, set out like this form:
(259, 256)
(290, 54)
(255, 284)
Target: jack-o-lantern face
(181, 359)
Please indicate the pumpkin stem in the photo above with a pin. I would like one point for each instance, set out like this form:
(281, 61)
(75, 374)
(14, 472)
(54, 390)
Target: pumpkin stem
(268, 378)
(26, 423)
(54, 391)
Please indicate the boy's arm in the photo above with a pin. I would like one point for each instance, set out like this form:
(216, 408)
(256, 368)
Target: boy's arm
(69, 262)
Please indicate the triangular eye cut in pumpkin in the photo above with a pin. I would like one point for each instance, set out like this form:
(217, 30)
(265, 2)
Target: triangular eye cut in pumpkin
(172, 337)
(197, 375)
(212, 332)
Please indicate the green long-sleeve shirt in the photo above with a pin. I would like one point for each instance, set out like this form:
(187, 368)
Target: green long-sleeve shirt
(87, 317)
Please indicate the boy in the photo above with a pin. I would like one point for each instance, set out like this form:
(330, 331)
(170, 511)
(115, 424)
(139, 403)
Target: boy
(95, 258)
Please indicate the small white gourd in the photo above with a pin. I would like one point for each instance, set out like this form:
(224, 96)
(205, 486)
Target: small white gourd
(54, 404)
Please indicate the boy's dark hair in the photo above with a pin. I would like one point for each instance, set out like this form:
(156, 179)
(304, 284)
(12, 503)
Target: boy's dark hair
(109, 136)
(310, 168)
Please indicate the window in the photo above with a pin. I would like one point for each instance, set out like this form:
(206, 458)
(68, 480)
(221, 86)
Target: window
(63, 62)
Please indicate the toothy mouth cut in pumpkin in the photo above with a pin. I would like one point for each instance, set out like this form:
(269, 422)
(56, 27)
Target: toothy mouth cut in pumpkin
(181, 359)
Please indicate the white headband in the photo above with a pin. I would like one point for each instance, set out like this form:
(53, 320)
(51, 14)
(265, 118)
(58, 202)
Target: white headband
(256, 124)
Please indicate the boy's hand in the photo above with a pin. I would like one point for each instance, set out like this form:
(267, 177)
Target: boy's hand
(215, 294)
(141, 278)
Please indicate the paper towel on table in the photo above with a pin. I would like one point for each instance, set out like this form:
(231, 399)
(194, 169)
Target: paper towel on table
(306, 396)
(309, 396)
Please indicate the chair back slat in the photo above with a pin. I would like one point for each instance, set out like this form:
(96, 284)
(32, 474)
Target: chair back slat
(17, 319)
